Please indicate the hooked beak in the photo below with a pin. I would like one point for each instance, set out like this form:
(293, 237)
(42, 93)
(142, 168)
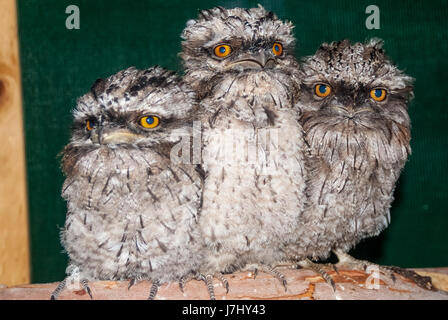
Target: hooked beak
(114, 136)
(350, 111)
(253, 61)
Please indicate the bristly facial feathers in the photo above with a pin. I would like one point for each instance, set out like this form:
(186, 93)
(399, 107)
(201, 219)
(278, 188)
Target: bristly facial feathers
(348, 118)
(250, 33)
(241, 64)
(115, 106)
(132, 212)
(354, 113)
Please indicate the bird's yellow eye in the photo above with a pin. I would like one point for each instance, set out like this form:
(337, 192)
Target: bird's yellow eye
(149, 122)
(277, 48)
(322, 90)
(378, 94)
(223, 50)
(90, 124)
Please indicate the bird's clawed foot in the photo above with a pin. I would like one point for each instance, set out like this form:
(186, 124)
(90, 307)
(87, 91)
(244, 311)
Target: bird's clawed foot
(317, 267)
(347, 261)
(269, 270)
(182, 281)
(154, 287)
(62, 285)
(223, 280)
(132, 282)
(208, 279)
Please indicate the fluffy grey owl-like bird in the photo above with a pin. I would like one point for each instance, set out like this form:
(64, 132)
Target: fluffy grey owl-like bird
(132, 213)
(354, 103)
(241, 64)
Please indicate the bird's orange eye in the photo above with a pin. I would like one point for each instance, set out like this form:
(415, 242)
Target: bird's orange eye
(277, 48)
(149, 122)
(90, 124)
(322, 90)
(223, 50)
(378, 94)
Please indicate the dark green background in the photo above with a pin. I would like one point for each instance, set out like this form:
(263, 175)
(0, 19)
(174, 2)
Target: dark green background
(59, 65)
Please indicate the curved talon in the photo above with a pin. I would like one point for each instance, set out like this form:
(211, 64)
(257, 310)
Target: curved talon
(182, 281)
(331, 282)
(89, 292)
(131, 283)
(335, 268)
(255, 273)
(154, 289)
(316, 267)
(277, 274)
(208, 279)
(58, 290)
(285, 284)
(271, 271)
(224, 281)
(85, 286)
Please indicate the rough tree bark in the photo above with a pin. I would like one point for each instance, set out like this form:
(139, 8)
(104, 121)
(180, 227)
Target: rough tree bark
(302, 284)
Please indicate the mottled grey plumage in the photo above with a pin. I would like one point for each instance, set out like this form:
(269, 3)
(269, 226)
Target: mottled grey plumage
(357, 146)
(247, 212)
(132, 213)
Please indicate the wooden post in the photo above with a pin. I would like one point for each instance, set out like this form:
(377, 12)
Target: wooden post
(14, 245)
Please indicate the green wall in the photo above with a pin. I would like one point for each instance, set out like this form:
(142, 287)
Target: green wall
(59, 65)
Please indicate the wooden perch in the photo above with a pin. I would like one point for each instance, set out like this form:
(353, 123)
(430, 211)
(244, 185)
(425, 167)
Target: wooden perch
(302, 284)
